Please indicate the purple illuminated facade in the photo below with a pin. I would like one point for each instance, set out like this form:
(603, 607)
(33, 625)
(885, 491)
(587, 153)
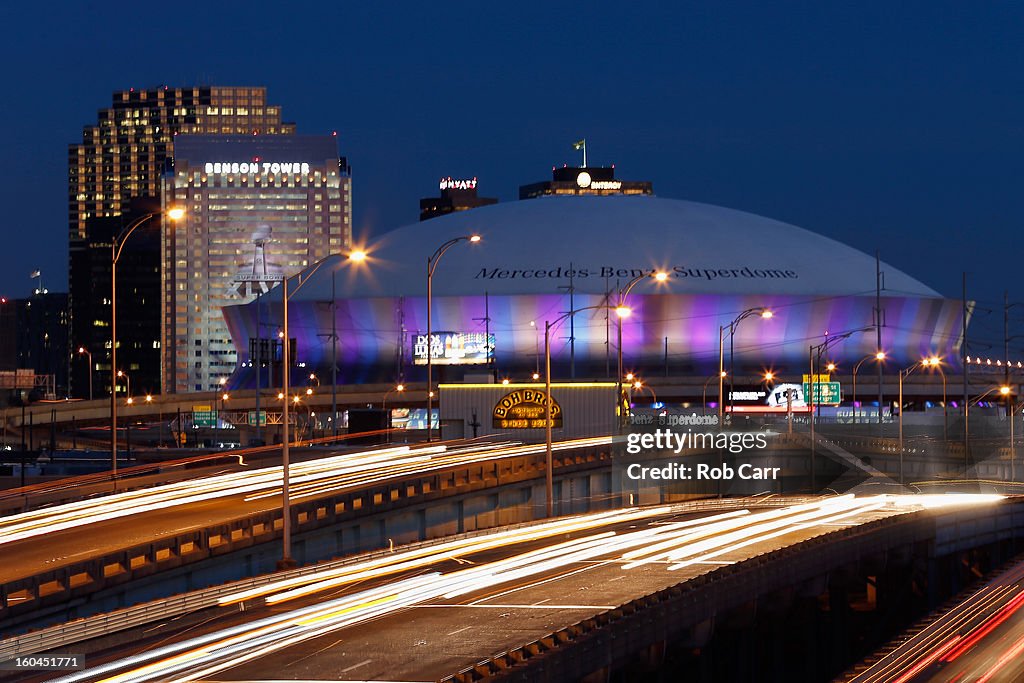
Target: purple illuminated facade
(721, 262)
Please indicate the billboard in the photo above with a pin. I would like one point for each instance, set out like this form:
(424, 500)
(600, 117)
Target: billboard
(454, 348)
(767, 399)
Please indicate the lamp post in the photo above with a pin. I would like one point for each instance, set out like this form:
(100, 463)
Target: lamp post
(116, 247)
(536, 348)
(127, 384)
(622, 312)
(904, 373)
(384, 404)
(640, 386)
(879, 356)
(815, 361)
(399, 388)
(1013, 446)
(704, 394)
(84, 351)
(431, 266)
(765, 314)
(936, 363)
(1003, 390)
(286, 560)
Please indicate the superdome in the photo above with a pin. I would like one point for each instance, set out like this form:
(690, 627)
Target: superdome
(534, 246)
(540, 258)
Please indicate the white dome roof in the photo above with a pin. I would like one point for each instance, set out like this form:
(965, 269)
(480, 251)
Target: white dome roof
(529, 247)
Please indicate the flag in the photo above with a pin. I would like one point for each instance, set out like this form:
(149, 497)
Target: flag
(579, 144)
(35, 273)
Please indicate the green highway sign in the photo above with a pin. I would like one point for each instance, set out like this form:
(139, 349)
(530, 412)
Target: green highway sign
(825, 393)
(204, 416)
(252, 418)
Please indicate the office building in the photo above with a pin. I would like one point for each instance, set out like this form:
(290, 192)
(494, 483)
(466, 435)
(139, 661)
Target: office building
(257, 208)
(138, 299)
(121, 159)
(123, 154)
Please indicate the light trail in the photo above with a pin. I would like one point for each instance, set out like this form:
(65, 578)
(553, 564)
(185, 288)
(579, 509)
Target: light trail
(309, 479)
(204, 656)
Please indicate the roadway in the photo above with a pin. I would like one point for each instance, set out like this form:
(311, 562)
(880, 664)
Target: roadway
(425, 613)
(46, 538)
(979, 640)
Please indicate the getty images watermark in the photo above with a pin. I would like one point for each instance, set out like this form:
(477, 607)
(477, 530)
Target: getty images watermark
(684, 451)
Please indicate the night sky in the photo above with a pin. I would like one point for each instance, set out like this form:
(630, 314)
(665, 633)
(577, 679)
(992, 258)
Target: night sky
(895, 126)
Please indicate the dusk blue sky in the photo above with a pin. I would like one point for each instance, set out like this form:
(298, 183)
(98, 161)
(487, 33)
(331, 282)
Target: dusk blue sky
(891, 126)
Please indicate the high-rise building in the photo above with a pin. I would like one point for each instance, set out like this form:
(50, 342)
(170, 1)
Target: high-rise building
(456, 195)
(138, 300)
(257, 208)
(120, 159)
(42, 337)
(122, 156)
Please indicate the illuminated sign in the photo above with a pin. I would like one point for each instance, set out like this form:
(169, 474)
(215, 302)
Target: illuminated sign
(454, 348)
(586, 182)
(825, 393)
(767, 399)
(451, 184)
(525, 409)
(253, 167)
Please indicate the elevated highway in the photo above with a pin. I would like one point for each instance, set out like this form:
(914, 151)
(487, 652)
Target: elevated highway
(568, 599)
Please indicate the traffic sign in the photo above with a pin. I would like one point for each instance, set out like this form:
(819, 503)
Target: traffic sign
(825, 393)
(204, 416)
(252, 418)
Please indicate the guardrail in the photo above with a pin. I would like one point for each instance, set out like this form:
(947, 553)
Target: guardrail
(654, 617)
(63, 635)
(58, 585)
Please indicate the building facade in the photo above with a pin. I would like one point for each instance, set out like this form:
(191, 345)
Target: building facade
(121, 159)
(456, 195)
(258, 208)
(138, 299)
(42, 338)
(122, 156)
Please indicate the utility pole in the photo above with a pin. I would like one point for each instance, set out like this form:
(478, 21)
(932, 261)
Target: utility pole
(963, 364)
(879, 322)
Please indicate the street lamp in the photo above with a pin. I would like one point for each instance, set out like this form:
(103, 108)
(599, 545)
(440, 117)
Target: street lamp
(127, 384)
(704, 393)
(815, 361)
(431, 266)
(765, 314)
(879, 356)
(286, 560)
(398, 387)
(639, 386)
(904, 373)
(622, 311)
(936, 363)
(175, 214)
(84, 351)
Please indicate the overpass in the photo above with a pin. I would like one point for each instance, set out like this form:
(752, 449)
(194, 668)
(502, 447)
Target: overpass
(98, 553)
(577, 598)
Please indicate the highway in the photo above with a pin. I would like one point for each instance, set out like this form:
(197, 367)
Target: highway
(61, 534)
(979, 640)
(429, 612)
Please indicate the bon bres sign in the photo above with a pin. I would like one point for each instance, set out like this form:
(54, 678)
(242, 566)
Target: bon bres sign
(525, 409)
